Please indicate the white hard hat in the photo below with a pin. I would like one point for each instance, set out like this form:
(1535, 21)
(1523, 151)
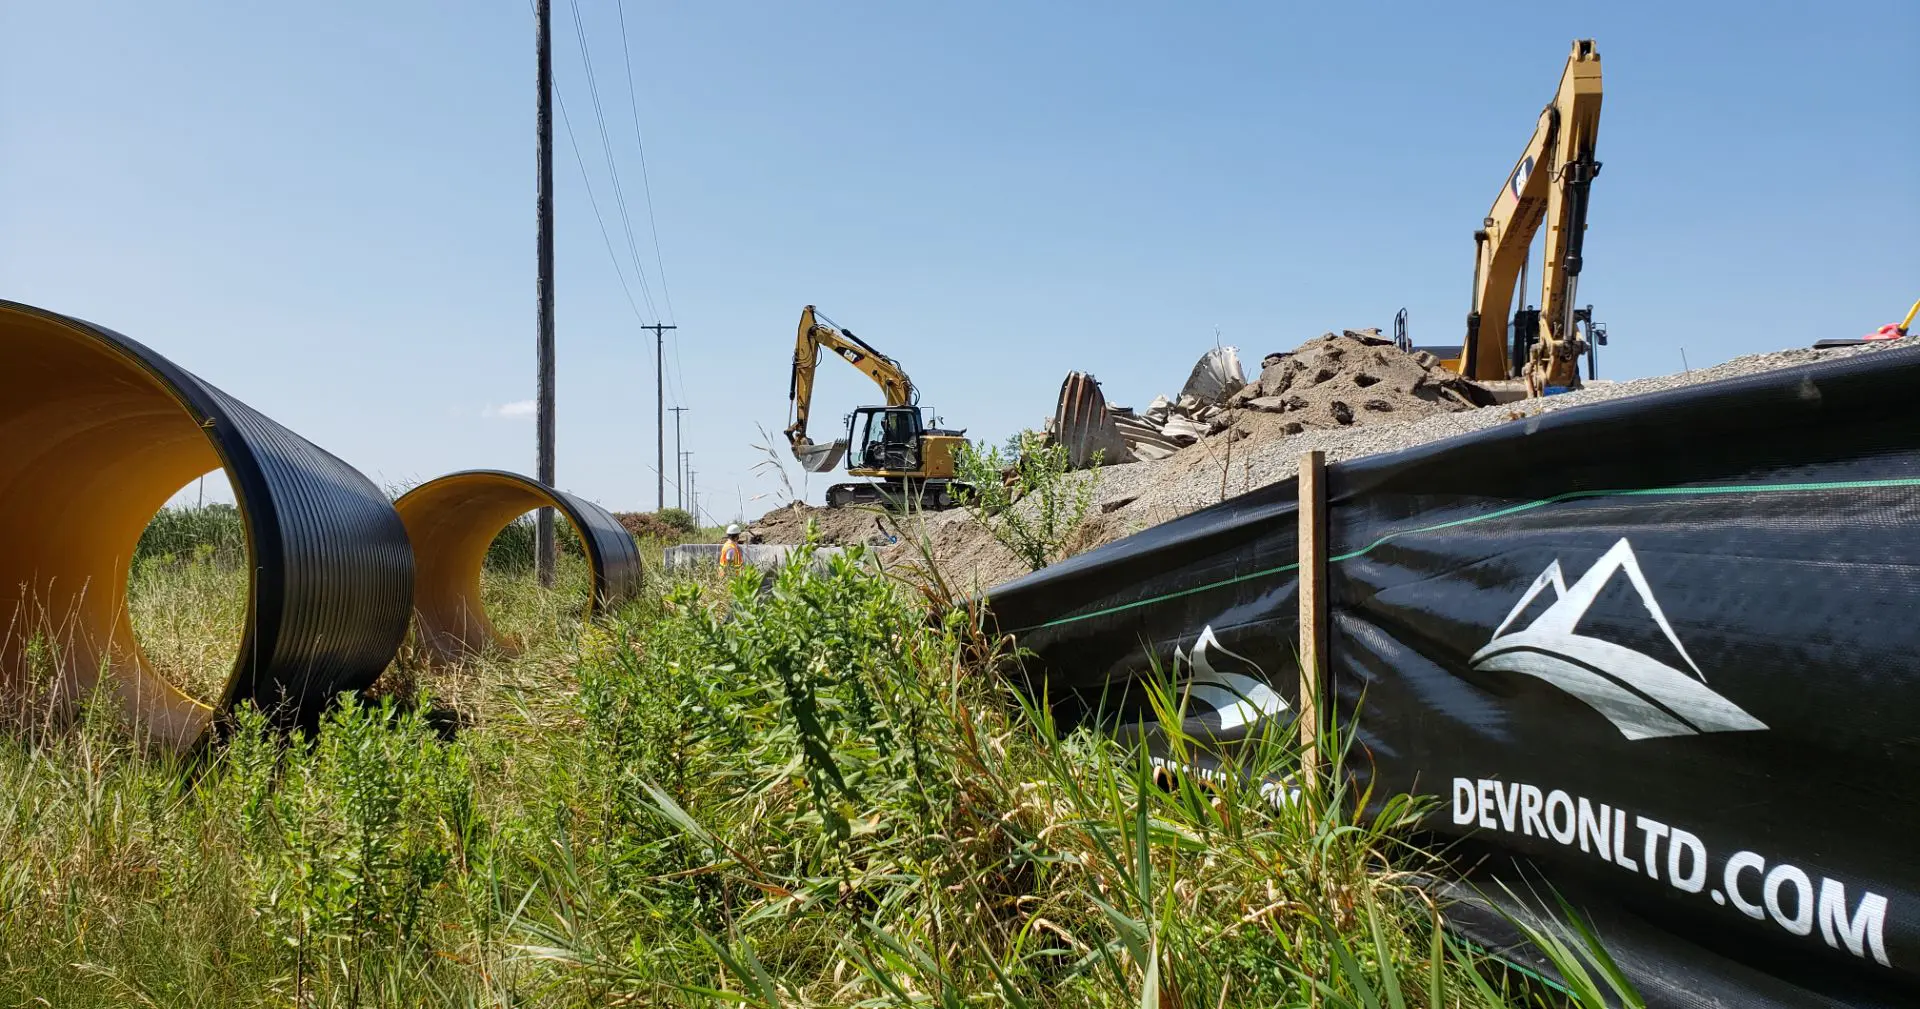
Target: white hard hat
(733, 529)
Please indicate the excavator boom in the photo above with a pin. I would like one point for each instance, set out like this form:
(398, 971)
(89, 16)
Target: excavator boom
(1550, 182)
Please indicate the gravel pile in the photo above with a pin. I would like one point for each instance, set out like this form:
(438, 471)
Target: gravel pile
(1148, 493)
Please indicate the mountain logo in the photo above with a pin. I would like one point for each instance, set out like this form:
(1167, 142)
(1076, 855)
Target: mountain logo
(1643, 697)
(1236, 696)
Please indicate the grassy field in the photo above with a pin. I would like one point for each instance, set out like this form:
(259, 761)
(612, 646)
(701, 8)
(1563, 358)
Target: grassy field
(807, 796)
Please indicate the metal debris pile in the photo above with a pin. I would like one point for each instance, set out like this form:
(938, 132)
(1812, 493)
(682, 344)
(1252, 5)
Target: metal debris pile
(1088, 425)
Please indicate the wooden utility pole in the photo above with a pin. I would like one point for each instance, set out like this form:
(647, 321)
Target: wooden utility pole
(543, 125)
(679, 459)
(660, 394)
(1313, 609)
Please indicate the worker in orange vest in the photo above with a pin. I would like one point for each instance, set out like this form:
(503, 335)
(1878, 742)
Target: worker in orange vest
(733, 558)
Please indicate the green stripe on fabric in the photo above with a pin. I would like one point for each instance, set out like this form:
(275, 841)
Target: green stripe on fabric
(1781, 488)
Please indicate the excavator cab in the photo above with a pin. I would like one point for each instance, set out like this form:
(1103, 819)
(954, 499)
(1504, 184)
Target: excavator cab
(884, 439)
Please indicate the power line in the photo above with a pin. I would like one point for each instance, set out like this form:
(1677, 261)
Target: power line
(678, 392)
(682, 397)
(606, 238)
(606, 148)
(587, 181)
(646, 183)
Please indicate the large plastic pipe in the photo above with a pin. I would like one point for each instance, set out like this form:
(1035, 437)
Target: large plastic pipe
(96, 433)
(452, 520)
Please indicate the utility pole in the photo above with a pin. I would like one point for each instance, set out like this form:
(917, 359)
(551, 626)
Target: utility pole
(693, 494)
(543, 125)
(679, 486)
(686, 466)
(660, 394)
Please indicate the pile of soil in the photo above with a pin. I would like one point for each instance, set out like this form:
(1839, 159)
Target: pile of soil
(969, 559)
(1355, 377)
(837, 526)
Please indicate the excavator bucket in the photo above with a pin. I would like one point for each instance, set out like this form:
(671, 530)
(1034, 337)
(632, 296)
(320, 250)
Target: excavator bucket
(820, 458)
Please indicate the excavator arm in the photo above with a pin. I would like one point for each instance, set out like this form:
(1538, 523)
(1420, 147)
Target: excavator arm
(1550, 183)
(815, 333)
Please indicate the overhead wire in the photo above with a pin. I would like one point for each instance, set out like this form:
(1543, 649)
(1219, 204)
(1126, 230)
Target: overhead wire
(676, 388)
(604, 237)
(593, 202)
(646, 182)
(606, 148)
(586, 179)
(677, 370)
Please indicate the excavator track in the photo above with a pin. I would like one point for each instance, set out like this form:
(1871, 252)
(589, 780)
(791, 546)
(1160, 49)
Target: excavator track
(896, 495)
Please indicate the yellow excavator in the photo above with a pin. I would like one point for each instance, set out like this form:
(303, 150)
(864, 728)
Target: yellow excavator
(910, 460)
(1542, 346)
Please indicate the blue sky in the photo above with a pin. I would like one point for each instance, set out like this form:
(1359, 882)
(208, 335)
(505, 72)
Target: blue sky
(327, 210)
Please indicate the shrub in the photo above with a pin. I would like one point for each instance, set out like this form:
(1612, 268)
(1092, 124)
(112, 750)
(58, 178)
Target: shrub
(668, 524)
(678, 518)
(351, 837)
(1028, 498)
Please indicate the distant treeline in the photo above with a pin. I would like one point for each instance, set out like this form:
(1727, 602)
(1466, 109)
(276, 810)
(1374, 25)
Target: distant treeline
(215, 534)
(512, 550)
(211, 533)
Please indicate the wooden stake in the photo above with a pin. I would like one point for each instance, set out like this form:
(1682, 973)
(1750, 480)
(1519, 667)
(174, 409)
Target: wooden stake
(1313, 608)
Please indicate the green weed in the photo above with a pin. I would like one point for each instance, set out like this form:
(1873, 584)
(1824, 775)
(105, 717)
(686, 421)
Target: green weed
(1027, 496)
(802, 791)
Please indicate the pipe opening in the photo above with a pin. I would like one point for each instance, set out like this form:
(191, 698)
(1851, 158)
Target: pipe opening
(92, 444)
(187, 588)
(473, 538)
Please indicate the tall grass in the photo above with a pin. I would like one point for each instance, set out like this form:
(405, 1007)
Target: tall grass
(205, 532)
(513, 548)
(799, 794)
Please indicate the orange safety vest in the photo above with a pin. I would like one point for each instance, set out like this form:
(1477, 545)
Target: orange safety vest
(731, 555)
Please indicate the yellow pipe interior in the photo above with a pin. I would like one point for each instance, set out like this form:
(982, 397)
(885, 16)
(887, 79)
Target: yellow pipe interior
(91, 446)
(451, 522)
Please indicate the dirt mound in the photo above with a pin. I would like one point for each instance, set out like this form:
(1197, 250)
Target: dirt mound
(1354, 377)
(838, 526)
(968, 557)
